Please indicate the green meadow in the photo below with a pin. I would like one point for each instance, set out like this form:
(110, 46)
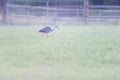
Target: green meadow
(76, 52)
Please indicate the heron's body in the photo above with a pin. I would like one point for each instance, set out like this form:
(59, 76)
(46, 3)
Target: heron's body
(48, 29)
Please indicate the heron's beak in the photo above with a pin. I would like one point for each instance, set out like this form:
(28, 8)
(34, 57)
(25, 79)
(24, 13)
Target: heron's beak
(57, 27)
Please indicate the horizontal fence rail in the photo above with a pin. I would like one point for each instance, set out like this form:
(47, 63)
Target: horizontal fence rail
(15, 11)
(102, 6)
(104, 12)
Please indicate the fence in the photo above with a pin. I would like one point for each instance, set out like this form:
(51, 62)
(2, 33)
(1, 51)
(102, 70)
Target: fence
(39, 14)
(52, 14)
(105, 13)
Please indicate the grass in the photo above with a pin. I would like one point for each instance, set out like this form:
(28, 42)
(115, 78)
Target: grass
(76, 52)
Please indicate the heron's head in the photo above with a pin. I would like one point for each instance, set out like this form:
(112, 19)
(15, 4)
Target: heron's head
(57, 27)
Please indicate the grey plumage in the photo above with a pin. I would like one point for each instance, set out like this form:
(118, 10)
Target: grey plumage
(48, 29)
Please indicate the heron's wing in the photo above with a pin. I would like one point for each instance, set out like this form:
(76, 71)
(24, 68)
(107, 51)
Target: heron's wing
(45, 29)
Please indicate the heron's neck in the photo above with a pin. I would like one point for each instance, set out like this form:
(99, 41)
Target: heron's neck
(53, 28)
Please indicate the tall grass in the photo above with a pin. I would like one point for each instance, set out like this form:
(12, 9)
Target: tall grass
(76, 52)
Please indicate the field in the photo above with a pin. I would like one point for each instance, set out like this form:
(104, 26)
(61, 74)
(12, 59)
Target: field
(76, 52)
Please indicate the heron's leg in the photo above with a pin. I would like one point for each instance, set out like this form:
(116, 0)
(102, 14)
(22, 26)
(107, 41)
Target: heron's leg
(47, 35)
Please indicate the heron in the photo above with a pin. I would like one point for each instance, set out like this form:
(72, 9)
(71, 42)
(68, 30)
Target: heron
(48, 29)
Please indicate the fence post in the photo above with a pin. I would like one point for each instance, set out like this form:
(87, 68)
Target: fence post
(3, 8)
(55, 16)
(6, 13)
(47, 5)
(86, 11)
(28, 14)
(78, 13)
